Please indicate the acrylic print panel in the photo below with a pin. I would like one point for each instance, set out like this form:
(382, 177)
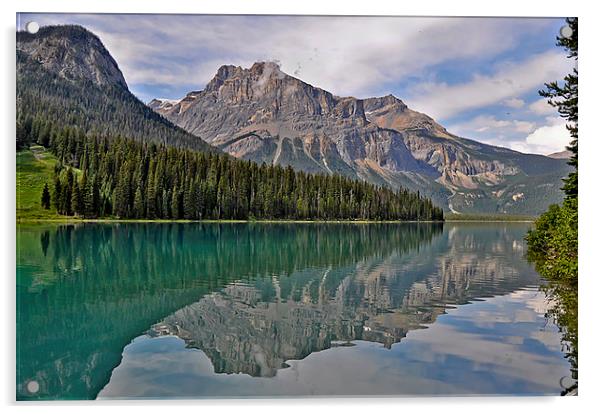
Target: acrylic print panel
(256, 206)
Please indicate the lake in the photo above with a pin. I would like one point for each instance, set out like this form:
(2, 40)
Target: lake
(201, 310)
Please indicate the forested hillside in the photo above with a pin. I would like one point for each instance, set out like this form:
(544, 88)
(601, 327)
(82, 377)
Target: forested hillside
(54, 83)
(106, 177)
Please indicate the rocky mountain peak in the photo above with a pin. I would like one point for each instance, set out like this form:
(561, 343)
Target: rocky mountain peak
(162, 104)
(266, 92)
(223, 73)
(268, 68)
(265, 82)
(392, 113)
(259, 74)
(73, 53)
(389, 100)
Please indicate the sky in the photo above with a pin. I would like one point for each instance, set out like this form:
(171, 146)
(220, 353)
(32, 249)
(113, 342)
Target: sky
(478, 77)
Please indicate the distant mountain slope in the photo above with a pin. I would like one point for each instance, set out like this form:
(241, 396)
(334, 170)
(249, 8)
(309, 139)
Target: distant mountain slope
(561, 155)
(263, 114)
(66, 76)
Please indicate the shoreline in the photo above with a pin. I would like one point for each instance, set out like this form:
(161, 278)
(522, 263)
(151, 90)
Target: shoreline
(111, 220)
(71, 220)
(490, 221)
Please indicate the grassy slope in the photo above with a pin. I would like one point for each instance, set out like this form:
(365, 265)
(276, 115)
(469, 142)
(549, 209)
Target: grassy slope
(35, 167)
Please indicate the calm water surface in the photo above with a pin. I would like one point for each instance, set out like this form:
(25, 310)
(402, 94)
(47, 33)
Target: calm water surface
(212, 310)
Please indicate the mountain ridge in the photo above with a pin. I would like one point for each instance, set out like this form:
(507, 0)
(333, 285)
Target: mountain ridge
(66, 76)
(561, 155)
(265, 115)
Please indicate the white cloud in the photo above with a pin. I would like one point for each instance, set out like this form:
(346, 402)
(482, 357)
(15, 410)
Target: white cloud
(515, 103)
(499, 128)
(442, 100)
(534, 137)
(524, 126)
(359, 56)
(542, 107)
(546, 139)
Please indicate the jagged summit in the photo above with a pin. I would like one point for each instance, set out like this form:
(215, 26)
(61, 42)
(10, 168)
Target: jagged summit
(162, 103)
(391, 112)
(72, 52)
(263, 114)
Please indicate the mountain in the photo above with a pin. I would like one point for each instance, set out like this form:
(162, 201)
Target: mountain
(265, 115)
(561, 155)
(73, 100)
(66, 77)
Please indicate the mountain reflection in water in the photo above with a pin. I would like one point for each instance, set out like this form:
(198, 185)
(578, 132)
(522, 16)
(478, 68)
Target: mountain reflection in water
(254, 298)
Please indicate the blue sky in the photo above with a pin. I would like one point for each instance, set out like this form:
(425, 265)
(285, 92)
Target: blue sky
(478, 77)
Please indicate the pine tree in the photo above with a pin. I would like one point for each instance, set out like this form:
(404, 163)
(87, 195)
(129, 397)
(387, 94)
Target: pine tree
(77, 204)
(67, 193)
(564, 98)
(176, 210)
(151, 199)
(46, 197)
(189, 204)
(57, 192)
(138, 203)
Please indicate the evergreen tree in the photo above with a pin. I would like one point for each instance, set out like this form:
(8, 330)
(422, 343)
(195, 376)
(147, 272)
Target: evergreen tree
(46, 197)
(138, 203)
(176, 209)
(564, 98)
(57, 192)
(77, 203)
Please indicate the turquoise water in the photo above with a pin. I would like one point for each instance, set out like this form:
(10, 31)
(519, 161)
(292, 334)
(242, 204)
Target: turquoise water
(211, 310)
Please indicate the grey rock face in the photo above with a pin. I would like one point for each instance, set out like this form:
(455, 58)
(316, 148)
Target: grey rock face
(73, 53)
(262, 114)
(265, 115)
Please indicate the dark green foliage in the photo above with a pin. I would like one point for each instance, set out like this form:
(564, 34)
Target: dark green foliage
(57, 192)
(553, 241)
(77, 202)
(553, 248)
(46, 197)
(108, 111)
(128, 179)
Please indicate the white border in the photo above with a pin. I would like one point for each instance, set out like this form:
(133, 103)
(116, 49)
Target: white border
(590, 202)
